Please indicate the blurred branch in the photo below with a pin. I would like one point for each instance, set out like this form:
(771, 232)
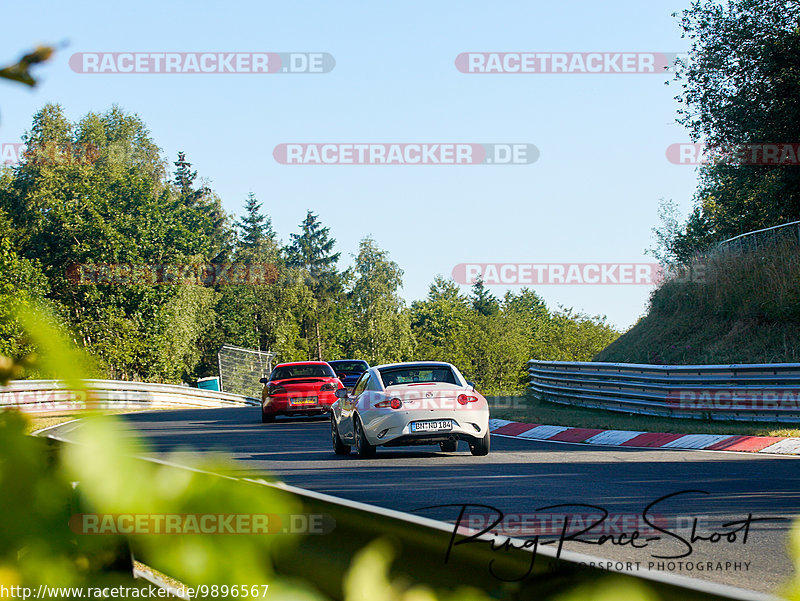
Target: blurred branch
(21, 70)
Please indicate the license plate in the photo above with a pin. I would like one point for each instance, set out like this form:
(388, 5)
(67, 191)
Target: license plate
(432, 426)
(311, 400)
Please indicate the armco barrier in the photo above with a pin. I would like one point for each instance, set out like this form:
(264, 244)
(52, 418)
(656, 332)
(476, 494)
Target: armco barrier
(748, 392)
(421, 548)
(46, 396)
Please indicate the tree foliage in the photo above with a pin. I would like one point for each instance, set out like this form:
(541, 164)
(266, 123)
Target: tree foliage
(381, 327)
(311, 254)
(128, 205)
(740, 89)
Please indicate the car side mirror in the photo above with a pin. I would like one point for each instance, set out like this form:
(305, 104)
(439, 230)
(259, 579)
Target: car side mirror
(341, 393)
(471, 384)
(263, 380)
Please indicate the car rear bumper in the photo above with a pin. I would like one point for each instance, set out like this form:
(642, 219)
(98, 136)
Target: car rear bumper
(394, 428)
(281, 405)
(430, 438)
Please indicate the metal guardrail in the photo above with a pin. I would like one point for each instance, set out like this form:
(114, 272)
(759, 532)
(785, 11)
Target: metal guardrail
(747, 392)
(765, 237)
(421, 553)
(45, 396)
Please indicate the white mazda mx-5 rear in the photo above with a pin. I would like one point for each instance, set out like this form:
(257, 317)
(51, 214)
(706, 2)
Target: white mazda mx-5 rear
(418, 403)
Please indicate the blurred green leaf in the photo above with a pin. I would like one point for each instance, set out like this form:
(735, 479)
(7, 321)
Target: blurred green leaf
(20, 71)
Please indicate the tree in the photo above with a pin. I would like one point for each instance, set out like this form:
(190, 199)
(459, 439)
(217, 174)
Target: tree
(260, 316)
(483, 301)
(382, 332)
(441, 322)
(740, 88)
(202, 219)
(117, 209)
(20, 280)
(184, 179)
(311, 253)
(572, 336)
(255, 228)
(312, 249)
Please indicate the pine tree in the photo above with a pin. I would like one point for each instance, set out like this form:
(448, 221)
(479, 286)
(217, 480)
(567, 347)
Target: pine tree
(184, 177)
(483, 301)
(255, 228)
(199, 209)
(311, 251)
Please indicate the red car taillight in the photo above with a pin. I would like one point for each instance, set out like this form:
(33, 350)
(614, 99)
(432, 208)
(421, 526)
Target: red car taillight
(275, 390)
(463, 399)
(394, 404)
(328, 386)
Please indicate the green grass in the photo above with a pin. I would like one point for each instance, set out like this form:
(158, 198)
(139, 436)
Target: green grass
(531, 409)
(45, 421)
(736, 308)
(37, 422)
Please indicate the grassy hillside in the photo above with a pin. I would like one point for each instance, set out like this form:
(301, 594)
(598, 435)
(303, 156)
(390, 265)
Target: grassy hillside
(734, 308)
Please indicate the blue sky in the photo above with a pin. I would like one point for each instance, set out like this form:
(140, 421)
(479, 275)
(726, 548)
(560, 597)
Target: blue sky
(592, 196)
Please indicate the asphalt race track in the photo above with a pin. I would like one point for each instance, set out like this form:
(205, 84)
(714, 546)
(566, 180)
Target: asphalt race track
(520, 477)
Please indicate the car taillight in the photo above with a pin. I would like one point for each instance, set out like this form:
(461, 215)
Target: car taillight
(328, 386)
(342, 376)
(463, 399)
(394, 404)
(275, 390)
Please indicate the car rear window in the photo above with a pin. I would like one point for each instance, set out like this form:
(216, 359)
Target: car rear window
(356, 366)
(288, 372)
(421, 374)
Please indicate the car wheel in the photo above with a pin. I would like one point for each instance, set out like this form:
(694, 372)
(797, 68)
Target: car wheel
(449, 446)
(338, 446)
(363, 449)
(267, 418)
(480, 447)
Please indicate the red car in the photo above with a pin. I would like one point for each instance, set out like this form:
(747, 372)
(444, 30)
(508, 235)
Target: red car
(301, 388)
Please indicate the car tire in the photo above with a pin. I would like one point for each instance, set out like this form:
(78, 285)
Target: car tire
(338, 446)
(267, 418)
(449, 446)
(364, 450)
(481, 447)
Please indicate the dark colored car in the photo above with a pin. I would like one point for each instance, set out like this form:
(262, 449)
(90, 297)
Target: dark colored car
(349, 370)
(301, 388)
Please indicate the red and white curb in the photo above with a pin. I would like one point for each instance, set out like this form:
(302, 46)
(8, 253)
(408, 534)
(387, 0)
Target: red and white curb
(776, 445)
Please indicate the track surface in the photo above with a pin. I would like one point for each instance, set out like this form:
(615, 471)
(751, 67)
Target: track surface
(519, 477)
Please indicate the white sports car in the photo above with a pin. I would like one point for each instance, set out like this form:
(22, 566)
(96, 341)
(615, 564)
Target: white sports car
(424, 402)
